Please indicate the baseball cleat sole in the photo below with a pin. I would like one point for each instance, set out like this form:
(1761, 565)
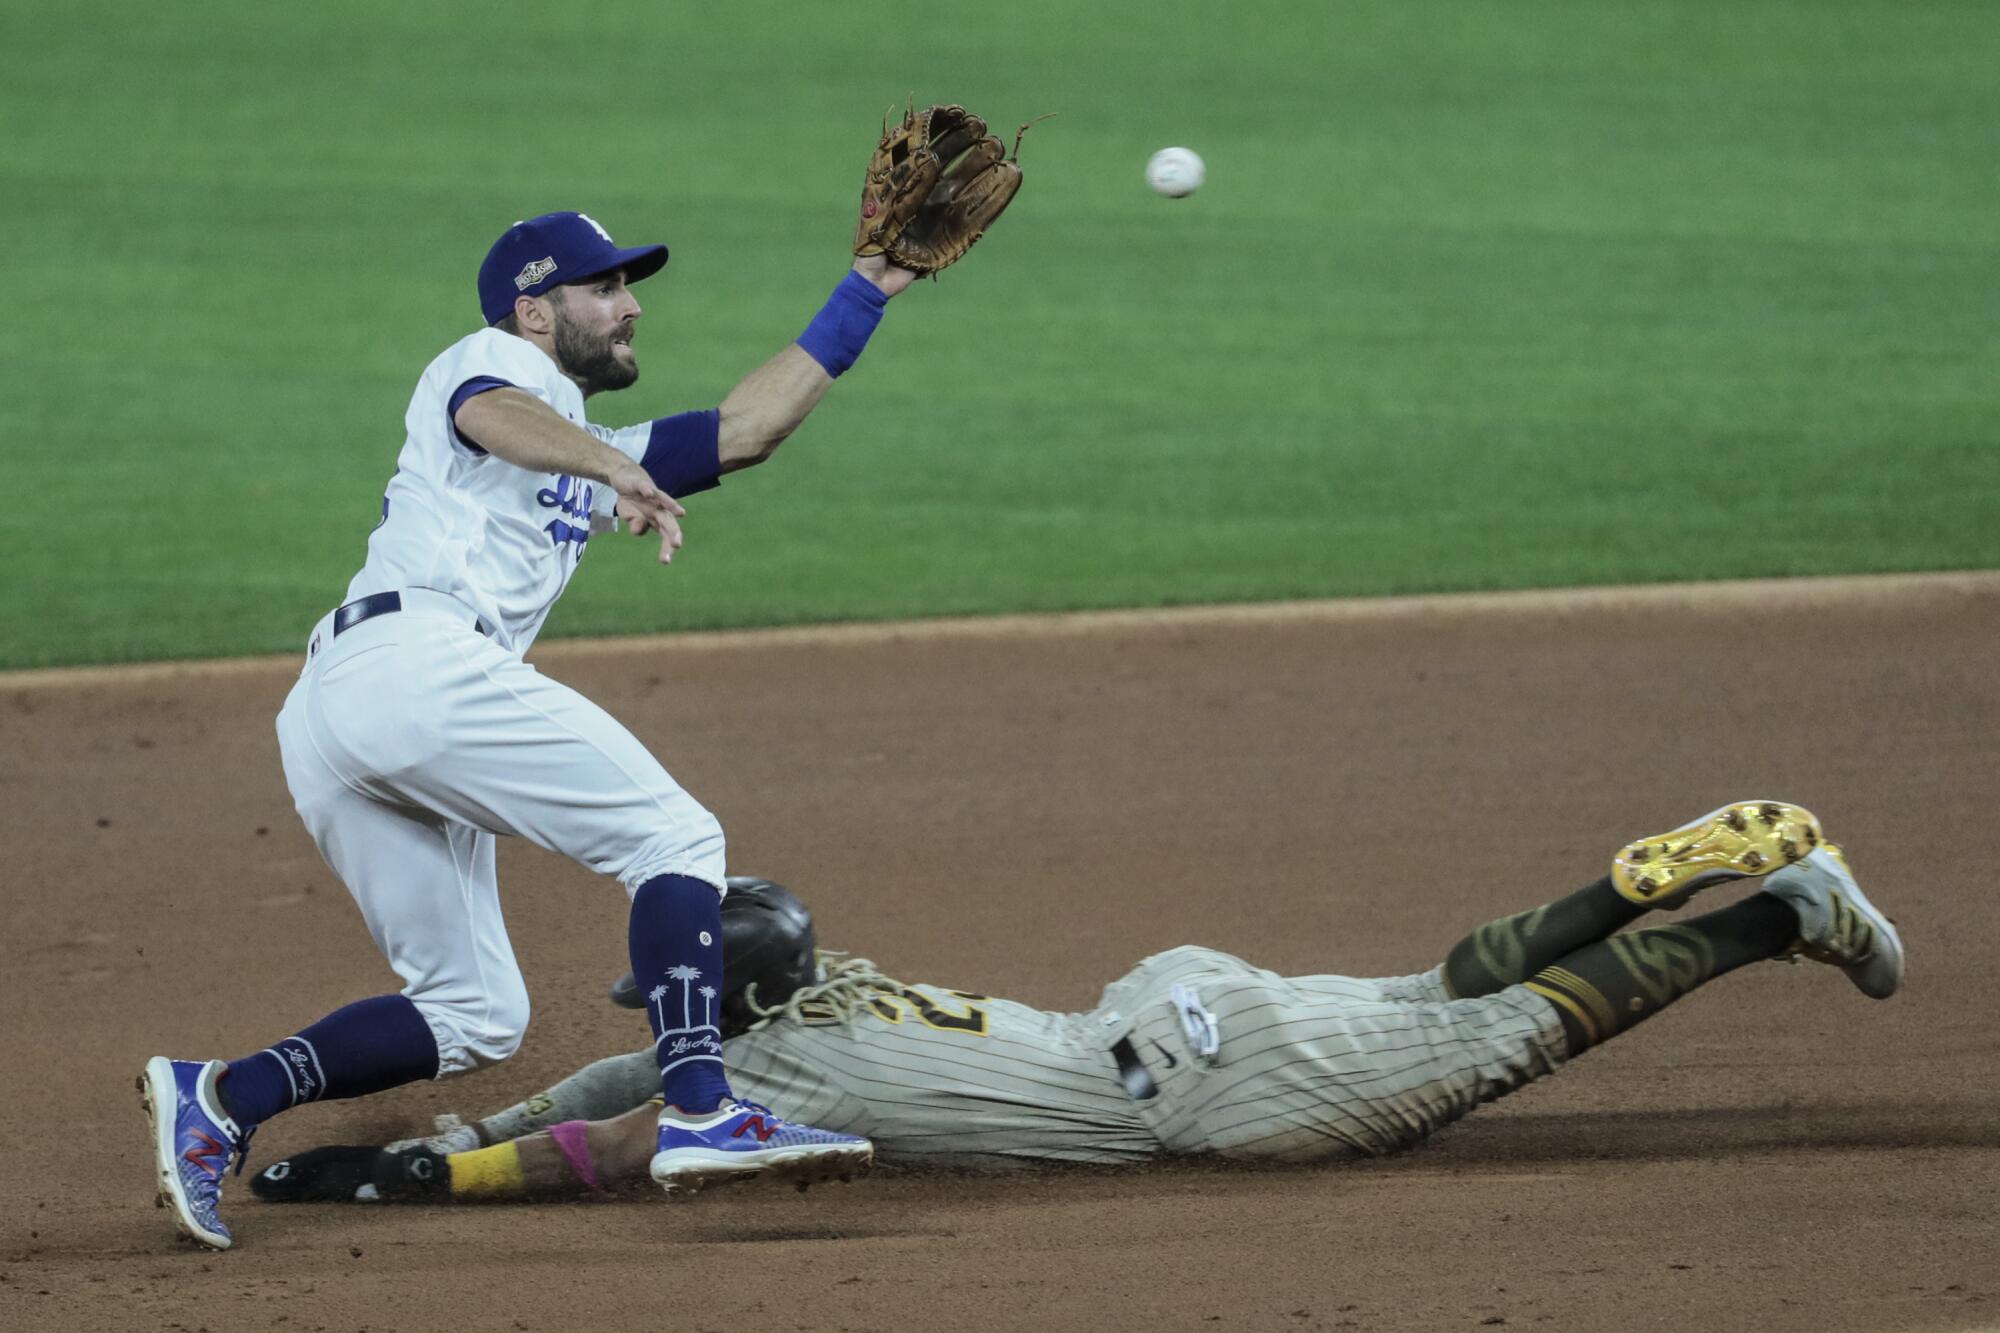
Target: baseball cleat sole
(688, 1171)
(1742, 840)
(161, 1102)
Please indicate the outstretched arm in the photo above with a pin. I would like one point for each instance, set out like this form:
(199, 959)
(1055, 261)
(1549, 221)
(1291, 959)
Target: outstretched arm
(771, 401)
(598, 1091)
(774, 398)
(566, 1159)
(570, 1158)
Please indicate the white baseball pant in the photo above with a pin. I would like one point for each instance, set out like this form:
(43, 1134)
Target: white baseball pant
(411, 740)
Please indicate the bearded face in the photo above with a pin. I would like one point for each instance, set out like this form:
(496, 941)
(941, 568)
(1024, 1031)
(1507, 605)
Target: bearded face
(592, 347)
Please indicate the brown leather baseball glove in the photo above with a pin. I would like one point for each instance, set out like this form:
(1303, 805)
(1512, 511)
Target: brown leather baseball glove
(935, 184)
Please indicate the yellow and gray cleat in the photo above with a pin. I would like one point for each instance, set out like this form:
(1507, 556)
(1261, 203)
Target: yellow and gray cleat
(1837, 923)
(1740, 841)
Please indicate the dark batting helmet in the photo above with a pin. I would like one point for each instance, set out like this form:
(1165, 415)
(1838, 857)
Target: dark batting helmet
(767, 942)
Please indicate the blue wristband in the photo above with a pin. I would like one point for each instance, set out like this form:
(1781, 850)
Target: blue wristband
(841, 328)
(683, 454)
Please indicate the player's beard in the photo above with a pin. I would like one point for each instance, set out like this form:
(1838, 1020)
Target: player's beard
(591, 359)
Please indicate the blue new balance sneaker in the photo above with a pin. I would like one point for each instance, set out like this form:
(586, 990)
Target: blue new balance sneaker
(194, 1142)
(739, 1140)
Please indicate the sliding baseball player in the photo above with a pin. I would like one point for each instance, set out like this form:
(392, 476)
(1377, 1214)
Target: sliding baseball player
(1193, 1051)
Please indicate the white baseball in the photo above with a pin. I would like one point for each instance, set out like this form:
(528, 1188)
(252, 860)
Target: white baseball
(1175, 172)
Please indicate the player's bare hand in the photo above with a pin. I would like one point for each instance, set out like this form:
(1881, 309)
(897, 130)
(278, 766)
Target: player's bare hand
(891, 278)
(642, 516)
(633, 482)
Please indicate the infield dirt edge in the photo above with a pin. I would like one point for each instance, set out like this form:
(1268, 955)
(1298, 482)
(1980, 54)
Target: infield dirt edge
(1843, 590)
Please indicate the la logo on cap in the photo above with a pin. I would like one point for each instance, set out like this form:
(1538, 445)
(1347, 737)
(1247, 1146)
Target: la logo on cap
(535, 272)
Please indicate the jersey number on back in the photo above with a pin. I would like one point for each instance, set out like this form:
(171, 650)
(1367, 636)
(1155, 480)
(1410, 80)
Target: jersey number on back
(889, 1006)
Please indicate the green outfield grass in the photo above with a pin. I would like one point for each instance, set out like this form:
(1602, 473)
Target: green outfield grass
(1479, 295)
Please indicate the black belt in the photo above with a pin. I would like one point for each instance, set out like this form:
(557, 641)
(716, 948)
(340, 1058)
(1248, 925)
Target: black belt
(1138, 1080)
(376, 604)
(366, 608)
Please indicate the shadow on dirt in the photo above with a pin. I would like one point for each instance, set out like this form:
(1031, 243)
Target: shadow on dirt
(1641, 1136)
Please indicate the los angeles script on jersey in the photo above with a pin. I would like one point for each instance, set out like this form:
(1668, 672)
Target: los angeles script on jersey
(572, 497)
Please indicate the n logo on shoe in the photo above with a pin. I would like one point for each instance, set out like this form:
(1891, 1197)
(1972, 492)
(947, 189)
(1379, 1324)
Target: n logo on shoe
(755, 1125)
(208, 1154)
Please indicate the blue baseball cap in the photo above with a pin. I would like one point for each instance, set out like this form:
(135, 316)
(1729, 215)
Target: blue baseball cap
(551, 250)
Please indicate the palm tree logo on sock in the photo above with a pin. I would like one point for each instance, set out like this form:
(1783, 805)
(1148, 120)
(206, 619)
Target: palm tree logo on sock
(685, 1042)
(684, 974)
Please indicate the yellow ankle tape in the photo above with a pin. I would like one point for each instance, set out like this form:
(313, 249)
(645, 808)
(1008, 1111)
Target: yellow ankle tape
(487, 1173)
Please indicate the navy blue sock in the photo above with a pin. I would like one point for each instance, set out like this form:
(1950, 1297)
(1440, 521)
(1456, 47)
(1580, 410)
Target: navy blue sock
(676, 942)
(368, 1046)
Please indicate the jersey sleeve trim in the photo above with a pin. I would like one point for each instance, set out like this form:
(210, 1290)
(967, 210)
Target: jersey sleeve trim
(465, 392)
(683, 455)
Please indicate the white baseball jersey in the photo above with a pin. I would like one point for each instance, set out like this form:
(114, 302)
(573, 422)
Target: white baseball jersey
(499, 538)
(1193, 1051)
(415, 736)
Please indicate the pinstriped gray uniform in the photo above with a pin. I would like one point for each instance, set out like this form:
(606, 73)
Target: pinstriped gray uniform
(1304, 1068)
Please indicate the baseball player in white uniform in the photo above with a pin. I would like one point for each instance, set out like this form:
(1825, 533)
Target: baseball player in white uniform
(1193, 1051)
(417, 734)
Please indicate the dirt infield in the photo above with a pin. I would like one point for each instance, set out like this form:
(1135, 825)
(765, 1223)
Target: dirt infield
(1025, 808)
